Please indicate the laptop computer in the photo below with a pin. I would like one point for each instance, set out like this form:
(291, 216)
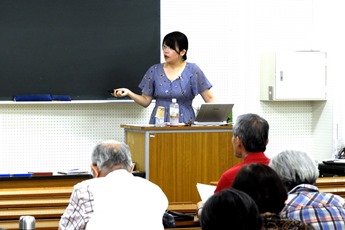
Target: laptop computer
(213, 114)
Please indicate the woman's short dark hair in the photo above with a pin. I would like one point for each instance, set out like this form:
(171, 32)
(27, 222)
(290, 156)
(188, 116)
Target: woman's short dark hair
(230, 209)
(176, 41)
(262, 184)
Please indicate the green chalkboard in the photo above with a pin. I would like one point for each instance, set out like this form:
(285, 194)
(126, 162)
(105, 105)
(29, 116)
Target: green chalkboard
(80, 48)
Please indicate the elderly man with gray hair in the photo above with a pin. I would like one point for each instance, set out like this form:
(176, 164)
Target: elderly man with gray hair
(114, 198)
(305, 202)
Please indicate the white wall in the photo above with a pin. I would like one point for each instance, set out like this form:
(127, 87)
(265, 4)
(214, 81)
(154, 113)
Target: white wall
(226, 37)
(330, 20)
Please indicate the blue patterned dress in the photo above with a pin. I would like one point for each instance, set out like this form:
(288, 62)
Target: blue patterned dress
(185, 88)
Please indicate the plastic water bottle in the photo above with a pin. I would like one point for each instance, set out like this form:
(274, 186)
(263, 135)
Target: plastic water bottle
(174, 112)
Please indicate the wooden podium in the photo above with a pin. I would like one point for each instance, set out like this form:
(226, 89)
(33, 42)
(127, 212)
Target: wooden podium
(177, 158)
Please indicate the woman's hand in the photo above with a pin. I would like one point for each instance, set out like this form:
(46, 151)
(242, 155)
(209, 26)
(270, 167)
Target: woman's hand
(143, 100)
(121, 92)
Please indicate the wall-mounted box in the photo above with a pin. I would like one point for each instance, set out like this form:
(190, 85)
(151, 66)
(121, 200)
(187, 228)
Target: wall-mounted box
(293, 76)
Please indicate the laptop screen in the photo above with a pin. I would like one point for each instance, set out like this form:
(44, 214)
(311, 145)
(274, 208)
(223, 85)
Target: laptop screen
(213, 112)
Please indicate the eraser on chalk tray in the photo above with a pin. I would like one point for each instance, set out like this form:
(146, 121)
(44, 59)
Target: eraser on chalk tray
(32, 97)
(41, 97)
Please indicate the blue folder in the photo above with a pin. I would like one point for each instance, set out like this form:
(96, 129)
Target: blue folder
(41, 97)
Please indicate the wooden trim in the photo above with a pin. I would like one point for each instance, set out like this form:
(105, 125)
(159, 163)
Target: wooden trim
(34, 202)
(38, 213)
(174, 128)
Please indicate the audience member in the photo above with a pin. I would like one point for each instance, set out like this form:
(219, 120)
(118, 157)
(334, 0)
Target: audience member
(305, 202)
(114, 199)
(230, 209)
(266, 188)
(249, 140)
(262, 184)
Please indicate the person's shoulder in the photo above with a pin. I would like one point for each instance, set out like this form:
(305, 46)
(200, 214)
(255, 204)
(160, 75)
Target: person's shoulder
(144, 182)
(89, 182)
(148, 186)
(156, 66)
(235, 168)
(227, 178)
(232, 172)
(192, 66)
(154, 70)
(333, 199)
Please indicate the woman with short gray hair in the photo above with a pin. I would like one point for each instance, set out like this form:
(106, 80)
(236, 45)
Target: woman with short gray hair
(305, 202)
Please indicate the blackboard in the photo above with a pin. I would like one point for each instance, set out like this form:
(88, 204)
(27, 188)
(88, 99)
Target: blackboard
(80, 48)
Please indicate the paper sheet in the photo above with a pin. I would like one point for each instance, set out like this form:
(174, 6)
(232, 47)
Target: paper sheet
(205, 191)
(74, 172)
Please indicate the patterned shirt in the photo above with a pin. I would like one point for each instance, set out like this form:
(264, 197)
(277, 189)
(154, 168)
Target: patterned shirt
(185, 88)
(115, 200)
(79, 210)
(321, 210)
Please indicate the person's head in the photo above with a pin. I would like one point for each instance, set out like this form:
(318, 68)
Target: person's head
(230, 209)
(176, 41)
(110, 155)
(262, 184)
(250, 134)
(295, 168)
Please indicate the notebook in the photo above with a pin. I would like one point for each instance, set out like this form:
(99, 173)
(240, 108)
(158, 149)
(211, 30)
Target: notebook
(213, 114)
